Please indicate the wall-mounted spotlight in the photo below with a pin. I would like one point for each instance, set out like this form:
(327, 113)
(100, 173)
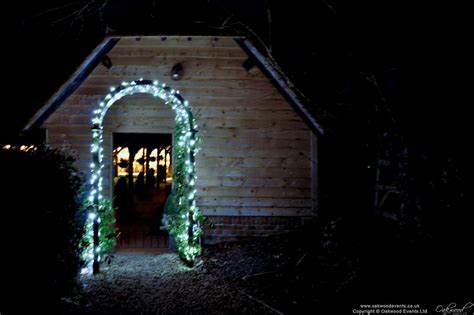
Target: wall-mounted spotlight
(107, 62)
(177, 72)
(248, 64)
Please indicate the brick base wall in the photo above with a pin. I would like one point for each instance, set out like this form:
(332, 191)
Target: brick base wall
(231, 228)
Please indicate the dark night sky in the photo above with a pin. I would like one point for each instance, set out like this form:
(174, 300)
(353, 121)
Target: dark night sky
(415, 52)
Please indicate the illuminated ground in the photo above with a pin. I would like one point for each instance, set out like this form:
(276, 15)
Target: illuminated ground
(149, 283)
(326, 271)
(268, 275)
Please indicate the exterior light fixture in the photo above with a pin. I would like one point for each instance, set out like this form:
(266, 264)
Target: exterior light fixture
(106, 62)
(177, 72)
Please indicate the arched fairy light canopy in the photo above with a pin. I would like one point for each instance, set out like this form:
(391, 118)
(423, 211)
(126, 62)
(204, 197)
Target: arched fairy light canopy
(183, 217)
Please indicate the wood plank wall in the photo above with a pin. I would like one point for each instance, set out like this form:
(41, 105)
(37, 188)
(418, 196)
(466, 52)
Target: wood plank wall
(256, 153)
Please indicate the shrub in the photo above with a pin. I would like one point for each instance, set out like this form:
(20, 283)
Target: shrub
(41, 227)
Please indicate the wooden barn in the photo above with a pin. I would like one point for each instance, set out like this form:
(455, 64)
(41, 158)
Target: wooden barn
(257, 169)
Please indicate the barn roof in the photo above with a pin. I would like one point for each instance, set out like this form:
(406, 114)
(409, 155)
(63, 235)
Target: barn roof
(98, 55)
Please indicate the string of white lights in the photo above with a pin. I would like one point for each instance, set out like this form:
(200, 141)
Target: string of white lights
(184, 221)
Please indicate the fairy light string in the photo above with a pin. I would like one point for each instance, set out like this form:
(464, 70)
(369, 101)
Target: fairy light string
(183, 218)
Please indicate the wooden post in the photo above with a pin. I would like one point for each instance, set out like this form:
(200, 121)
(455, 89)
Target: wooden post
(165, 157)
(132, 151)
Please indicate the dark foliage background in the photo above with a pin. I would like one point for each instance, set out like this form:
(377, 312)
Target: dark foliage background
(386, 79)
(40, 230)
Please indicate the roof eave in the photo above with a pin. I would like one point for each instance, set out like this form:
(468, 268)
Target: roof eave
(71, 85)
(281, 84)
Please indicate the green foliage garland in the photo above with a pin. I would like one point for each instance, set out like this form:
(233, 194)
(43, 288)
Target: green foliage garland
(107, 231)
(181, 213)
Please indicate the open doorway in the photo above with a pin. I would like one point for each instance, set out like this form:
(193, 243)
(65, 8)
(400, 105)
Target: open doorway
(142, 175)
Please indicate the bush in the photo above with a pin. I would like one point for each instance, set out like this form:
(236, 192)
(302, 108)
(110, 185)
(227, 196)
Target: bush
(41, 226)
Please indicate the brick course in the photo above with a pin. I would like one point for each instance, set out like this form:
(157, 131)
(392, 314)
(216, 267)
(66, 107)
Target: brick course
(232, 228)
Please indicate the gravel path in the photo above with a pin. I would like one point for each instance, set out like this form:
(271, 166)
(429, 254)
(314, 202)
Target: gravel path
(147, 283)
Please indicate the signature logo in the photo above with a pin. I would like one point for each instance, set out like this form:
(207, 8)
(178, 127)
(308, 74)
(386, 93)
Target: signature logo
(452, 308)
